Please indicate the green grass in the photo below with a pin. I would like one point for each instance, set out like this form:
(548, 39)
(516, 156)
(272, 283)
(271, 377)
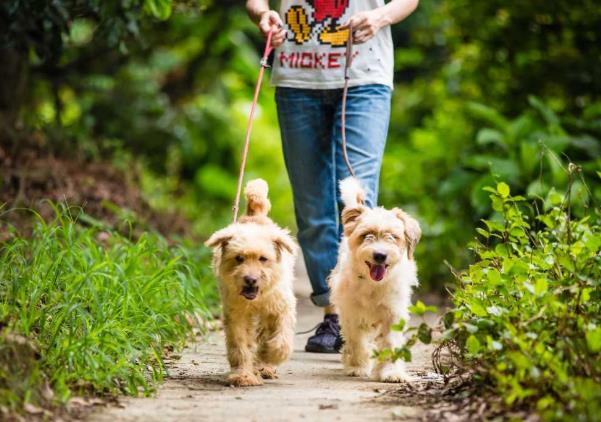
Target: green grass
(82, 312)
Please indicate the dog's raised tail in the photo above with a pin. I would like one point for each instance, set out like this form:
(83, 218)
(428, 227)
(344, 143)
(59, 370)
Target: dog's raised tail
(257, 202)
(352, 192)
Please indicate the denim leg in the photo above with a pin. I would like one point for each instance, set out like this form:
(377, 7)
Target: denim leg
(306, 120)
(367, 119)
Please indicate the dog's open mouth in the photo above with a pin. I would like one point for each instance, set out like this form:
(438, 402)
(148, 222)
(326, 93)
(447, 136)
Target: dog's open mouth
(377, 271)
(249, 292)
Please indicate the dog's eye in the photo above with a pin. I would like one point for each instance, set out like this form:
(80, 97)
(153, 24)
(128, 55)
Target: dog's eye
(239, 259)
(369, 236)
(393, 237)
(263, 259)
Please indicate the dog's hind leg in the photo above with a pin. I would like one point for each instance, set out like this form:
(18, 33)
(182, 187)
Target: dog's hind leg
(239, 341)
(276, 342)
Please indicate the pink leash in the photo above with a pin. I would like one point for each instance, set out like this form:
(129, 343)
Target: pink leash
(266, 53)
(347, 76)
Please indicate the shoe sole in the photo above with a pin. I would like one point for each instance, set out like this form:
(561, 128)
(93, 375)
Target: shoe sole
(316, 349)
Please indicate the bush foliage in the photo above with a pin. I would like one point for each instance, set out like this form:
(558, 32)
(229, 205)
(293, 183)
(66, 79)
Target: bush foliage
(527, 314)
(526, 321)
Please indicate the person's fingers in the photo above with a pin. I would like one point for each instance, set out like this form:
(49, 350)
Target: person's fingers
(362, 35)
(270, 21)
(264, 26)
(275, 19)
(356, 21)
(278, 39)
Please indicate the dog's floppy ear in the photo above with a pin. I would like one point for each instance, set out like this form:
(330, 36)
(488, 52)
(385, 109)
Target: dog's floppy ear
(350, 218)
(283, 242)
(219, 238)
(413, 232)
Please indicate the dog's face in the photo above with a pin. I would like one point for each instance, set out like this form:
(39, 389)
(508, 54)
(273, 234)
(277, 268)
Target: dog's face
(247, 258)
(379, 239)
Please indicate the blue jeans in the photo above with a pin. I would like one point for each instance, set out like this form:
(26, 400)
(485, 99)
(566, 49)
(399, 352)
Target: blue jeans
(310, 128)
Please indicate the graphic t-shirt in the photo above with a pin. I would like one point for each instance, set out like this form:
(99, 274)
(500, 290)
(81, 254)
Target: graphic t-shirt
(313, 55)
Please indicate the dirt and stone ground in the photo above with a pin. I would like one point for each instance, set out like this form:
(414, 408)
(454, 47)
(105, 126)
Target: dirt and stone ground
(311, 387)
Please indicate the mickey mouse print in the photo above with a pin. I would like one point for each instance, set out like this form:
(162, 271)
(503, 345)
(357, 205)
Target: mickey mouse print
(313, 54)
(320, 20)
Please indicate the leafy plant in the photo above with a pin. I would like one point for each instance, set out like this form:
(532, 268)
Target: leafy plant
(527, 316)
(88, 311)
(421, 333)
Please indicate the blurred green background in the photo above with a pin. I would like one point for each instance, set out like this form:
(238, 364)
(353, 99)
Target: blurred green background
(485, 91)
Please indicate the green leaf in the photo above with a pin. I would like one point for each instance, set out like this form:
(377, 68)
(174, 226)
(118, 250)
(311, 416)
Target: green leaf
(400, 326)
(424, 333)
(449, 319)
(472, 345)
(403, 353)
(418, 309)
(494, 276)
(160, 9)
(540, 286)
(593, 339)
(503, 189)
(478, 309)
(483, 232)
(488, 136)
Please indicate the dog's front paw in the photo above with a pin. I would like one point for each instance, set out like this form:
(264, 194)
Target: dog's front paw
(244, 379)
(267, 372)
(392, 374)
(357, 371)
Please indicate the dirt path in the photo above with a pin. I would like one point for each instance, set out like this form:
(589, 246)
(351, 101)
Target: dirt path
(311, 387)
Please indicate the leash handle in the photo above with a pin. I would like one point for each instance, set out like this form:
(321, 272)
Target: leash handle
(347, 68)
(266, 53)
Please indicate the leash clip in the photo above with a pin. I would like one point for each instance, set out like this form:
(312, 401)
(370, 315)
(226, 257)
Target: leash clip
(263, 62)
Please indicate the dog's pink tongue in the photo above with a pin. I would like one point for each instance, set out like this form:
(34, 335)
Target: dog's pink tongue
(377, 272)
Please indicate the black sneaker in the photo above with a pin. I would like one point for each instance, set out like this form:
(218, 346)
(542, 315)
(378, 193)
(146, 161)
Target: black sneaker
(327, 337)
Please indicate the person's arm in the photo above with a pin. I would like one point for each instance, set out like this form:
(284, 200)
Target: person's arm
(266, 20)
(367, 23)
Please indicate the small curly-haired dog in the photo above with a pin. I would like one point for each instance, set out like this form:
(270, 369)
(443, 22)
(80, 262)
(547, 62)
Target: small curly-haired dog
(373, 281)
(254, 262)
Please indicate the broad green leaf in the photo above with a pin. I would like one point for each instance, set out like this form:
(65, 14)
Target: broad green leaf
(478, 309)
(540, 286)
(494, 276)
(472, 345)
(424, 333)
(503, 189)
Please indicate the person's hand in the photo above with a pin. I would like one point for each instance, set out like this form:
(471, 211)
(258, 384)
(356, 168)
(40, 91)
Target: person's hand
(271, 21)
(365, 25)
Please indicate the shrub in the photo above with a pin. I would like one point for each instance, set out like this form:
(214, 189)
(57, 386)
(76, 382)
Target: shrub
(527, 316)
(85, 311)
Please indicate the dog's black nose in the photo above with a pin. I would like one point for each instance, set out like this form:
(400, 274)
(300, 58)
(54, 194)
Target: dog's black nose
(379, 257)
(250, 280)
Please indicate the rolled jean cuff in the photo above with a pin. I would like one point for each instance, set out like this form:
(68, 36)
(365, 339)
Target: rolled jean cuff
(322, 300)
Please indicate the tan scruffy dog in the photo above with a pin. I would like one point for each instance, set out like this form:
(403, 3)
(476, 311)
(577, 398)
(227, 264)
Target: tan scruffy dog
(254, 261)
(373, 281)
